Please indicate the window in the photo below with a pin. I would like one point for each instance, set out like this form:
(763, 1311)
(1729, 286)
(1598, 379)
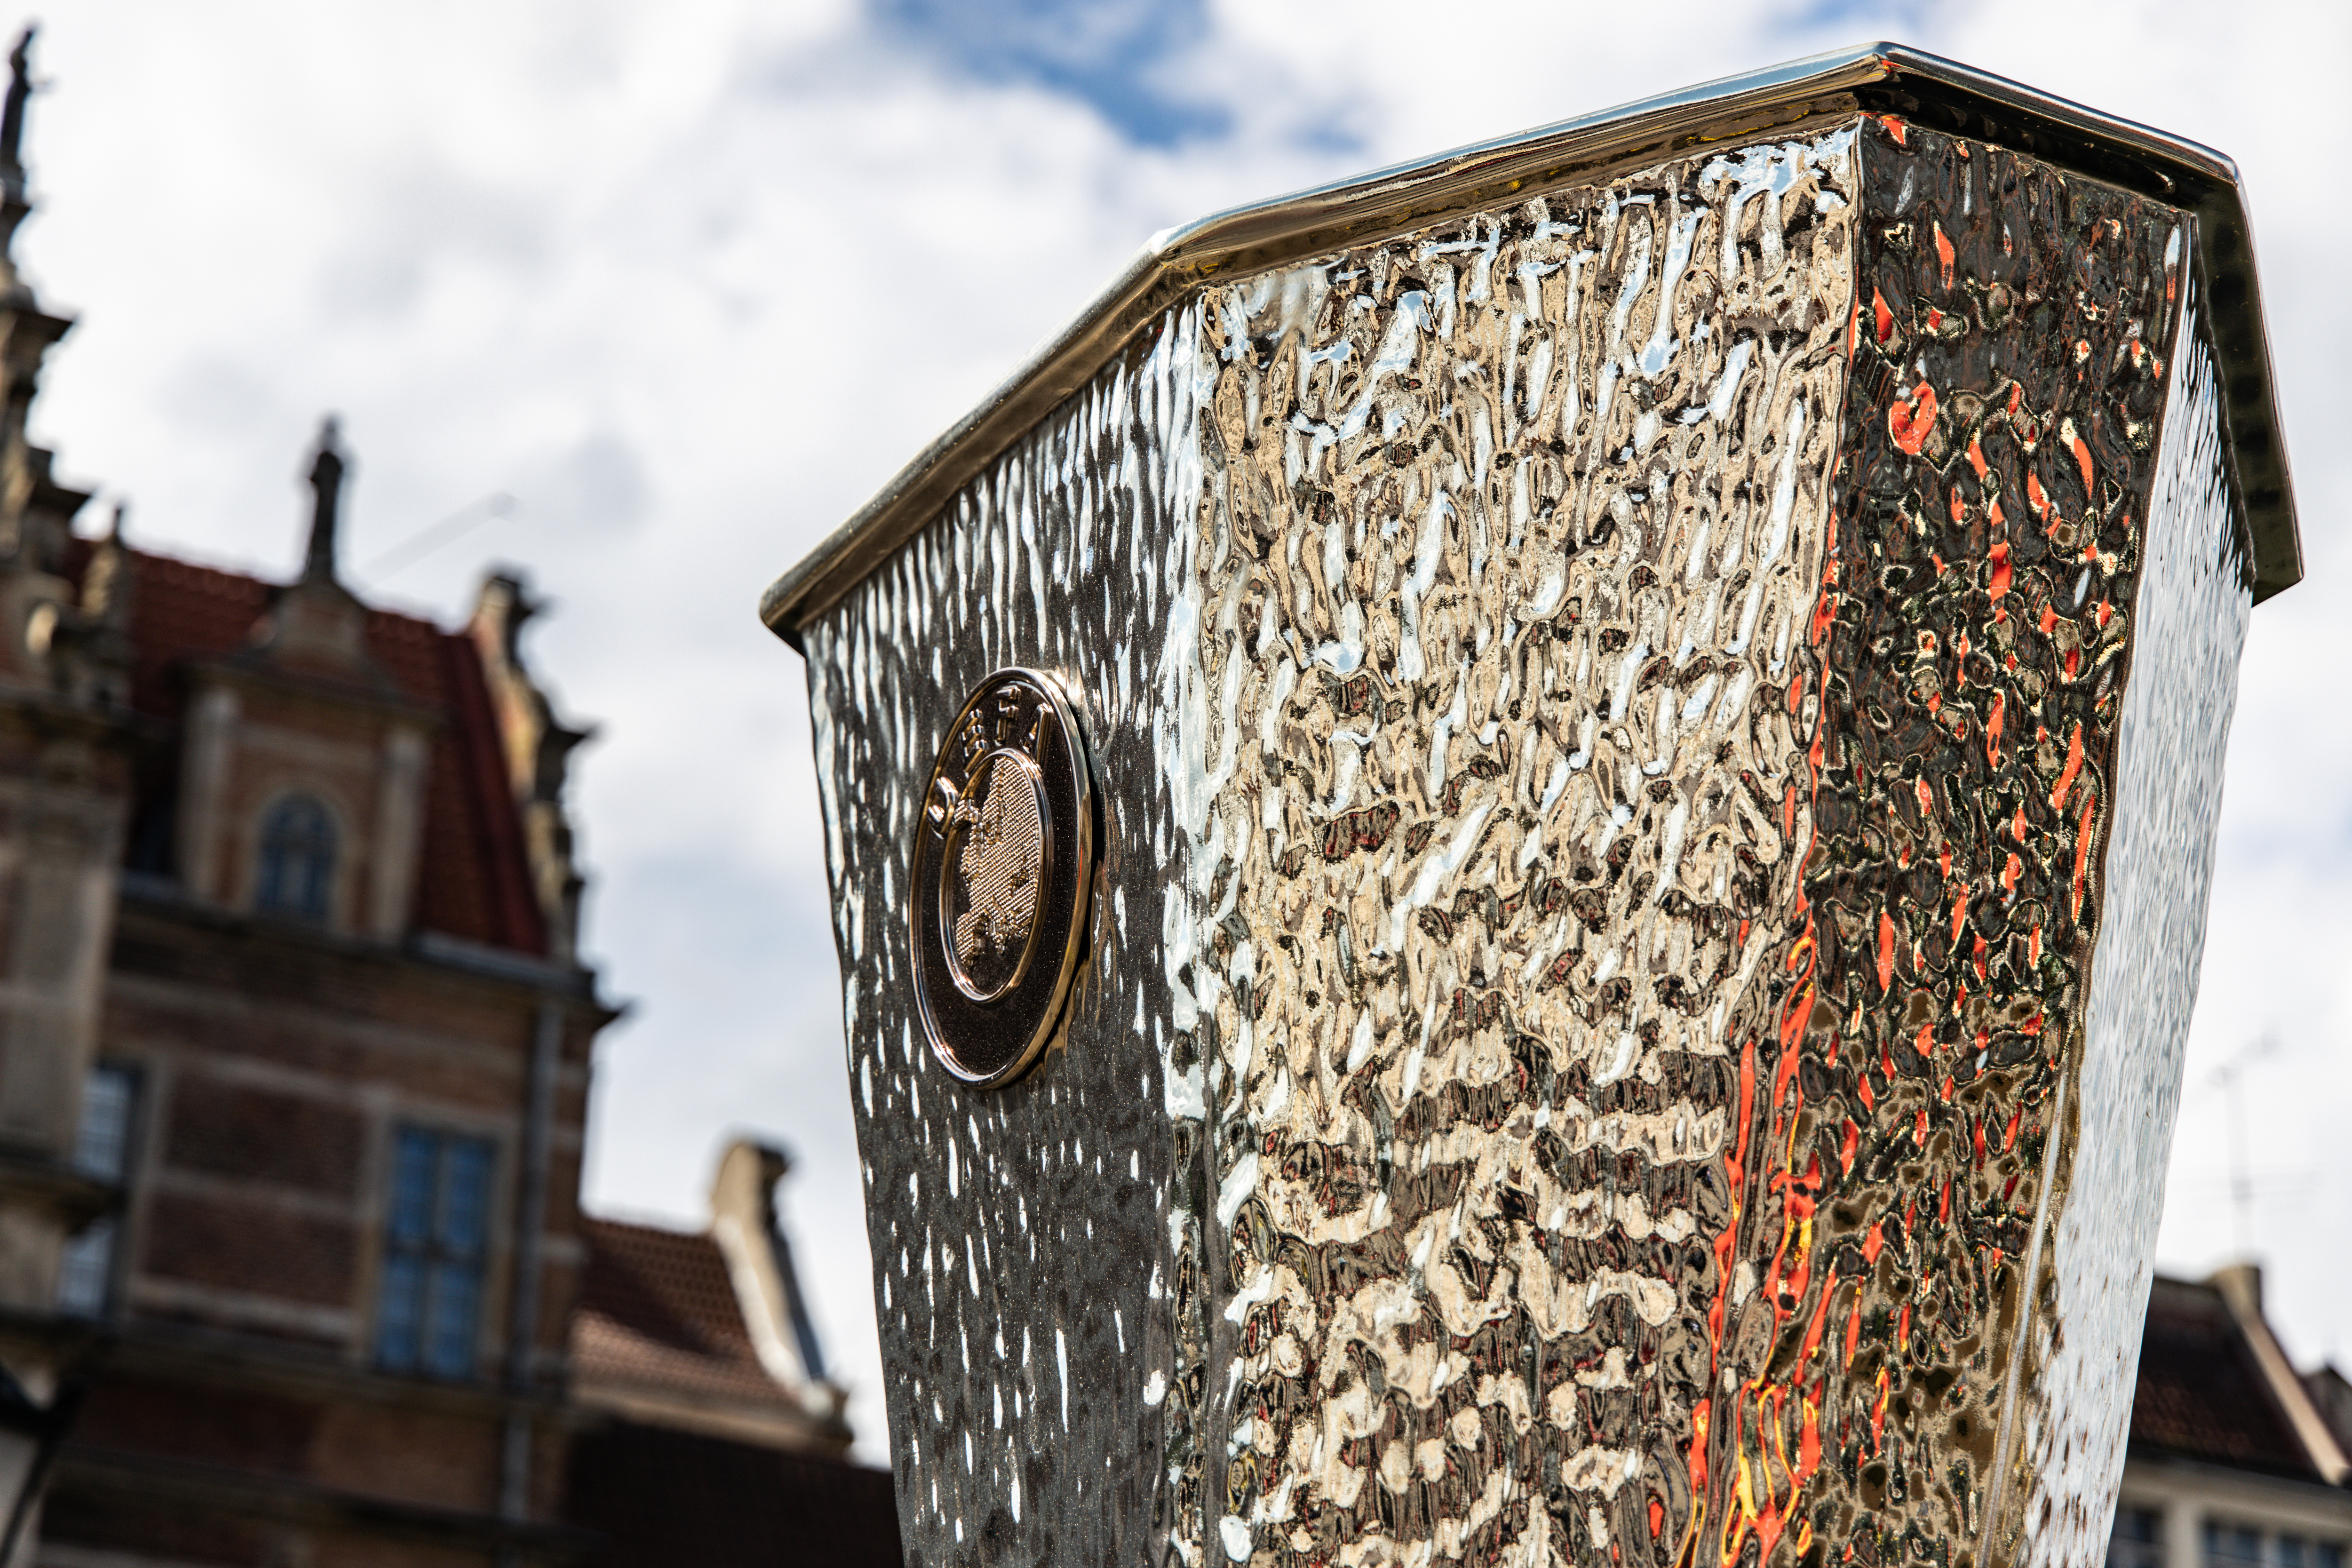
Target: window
(434, 1242)
(296, 875)
(2138, 1540)
(2233, 1545)
(103, 1151)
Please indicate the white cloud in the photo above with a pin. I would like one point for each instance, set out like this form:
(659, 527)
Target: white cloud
(690, 281)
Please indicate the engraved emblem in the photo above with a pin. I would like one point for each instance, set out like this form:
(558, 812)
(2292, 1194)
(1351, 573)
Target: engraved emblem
(994, 854)
(1003, 859)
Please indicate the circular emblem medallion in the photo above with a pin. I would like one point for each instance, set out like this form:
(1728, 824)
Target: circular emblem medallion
(1004, 858)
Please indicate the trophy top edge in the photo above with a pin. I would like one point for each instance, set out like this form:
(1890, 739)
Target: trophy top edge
(1874, 78)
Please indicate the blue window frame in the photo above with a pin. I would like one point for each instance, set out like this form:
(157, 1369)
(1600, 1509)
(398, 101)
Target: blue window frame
(102, 1150)
(296, 874)
(435, 1247)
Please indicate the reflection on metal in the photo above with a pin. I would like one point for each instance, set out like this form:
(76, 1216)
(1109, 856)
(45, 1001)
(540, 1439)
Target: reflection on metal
(1873, 79)
(1660, 738)
(1003, 859)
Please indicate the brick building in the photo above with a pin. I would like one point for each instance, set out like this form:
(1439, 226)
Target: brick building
(294, 1057)
(337, 1060)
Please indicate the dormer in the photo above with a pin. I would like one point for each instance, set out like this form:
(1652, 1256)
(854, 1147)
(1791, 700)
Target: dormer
(304, 765)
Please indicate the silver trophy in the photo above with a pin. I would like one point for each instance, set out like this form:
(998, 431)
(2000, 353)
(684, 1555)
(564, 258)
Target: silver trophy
(1520, 846)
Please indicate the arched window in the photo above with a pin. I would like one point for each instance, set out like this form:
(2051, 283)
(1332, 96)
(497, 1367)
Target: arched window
(296, 873)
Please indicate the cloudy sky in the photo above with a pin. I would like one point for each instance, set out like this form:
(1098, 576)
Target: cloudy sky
(690, 280)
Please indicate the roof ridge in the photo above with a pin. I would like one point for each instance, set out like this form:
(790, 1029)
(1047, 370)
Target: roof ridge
(650, 1226)
(207, 569)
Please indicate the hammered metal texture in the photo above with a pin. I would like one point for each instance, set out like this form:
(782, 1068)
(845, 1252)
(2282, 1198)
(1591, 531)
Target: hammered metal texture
(1611, 716)
(1976, 629)
(1509, 559)
(2174, 730)
(1599, 1181)
(1020, 1255)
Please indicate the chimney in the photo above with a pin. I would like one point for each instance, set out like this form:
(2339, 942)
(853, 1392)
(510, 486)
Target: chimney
(2241, 1286)
(759, 1262)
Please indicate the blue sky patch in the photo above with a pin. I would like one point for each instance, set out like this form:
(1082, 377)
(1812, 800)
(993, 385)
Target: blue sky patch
(1112, 57)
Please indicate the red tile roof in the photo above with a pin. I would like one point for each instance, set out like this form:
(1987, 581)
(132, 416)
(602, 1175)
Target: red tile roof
(475, 881)
(657, 1308)
(2202, 1395)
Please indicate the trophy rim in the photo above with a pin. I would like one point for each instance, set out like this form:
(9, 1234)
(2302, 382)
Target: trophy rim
(1789, 98)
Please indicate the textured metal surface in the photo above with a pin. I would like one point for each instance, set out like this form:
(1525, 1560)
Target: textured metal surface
(2172, 733)
(1875, 79)
(1976, 635)
(1510, 560)
(1657, 747)
(1020, 1257)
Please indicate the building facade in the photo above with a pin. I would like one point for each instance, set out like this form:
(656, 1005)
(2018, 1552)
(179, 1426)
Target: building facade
(336, 1070)
(295, 1043)
(2236, 1459)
